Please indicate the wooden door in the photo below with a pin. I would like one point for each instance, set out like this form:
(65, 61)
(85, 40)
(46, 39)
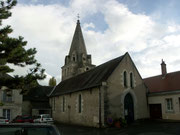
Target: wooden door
(129, 108)
(155, 111)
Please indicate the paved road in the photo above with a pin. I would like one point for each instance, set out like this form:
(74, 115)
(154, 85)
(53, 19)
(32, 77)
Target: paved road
(137, 128)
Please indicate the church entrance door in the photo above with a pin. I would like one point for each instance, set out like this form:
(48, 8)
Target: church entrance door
(129, 108)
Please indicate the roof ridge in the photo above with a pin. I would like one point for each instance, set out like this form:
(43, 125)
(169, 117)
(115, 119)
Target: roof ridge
(161, 75)
(95, 67)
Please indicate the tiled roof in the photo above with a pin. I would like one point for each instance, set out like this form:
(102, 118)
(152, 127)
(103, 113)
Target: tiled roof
(89, 79)
(171, 82)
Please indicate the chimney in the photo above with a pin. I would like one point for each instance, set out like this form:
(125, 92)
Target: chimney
(163, 68)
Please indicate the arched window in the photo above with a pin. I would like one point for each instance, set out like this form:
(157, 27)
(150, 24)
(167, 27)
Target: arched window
(84, 57)
(63, 104)
(74, 57)
(68, 70)
(125, 78)
(65, 72)
(131, 80)
(79, 103)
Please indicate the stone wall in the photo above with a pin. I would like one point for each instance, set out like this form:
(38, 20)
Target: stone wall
(116, 91)
(90, 108)
(161, 99)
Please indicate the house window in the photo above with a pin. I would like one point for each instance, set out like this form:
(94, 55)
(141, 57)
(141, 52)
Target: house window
(131, 80)
(125, 78)
(169, 104)
(7, 96)
(63, 104)
(7, 113)
(80, 104)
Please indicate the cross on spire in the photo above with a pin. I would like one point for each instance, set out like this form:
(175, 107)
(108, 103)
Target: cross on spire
(78, 16)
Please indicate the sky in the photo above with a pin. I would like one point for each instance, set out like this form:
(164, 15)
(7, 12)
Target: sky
(148, 29)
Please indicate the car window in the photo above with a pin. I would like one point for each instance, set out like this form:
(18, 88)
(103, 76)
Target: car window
(26, 117)
(46, 116)
(40, 131)
(28, 131)
(10, 131)
(36, 117)
(18, 117)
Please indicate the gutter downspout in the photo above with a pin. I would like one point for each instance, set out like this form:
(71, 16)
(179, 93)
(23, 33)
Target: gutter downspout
(103, 84)
(52, 99)
(100, 123)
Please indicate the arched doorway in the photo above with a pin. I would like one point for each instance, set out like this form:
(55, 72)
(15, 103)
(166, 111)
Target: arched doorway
(129, 108)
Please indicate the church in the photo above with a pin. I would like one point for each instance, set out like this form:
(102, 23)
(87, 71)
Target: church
(89, 95)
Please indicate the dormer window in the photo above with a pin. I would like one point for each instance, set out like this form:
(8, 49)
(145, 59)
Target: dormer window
(7, 96)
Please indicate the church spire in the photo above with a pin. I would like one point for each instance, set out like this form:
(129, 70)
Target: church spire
(78, 44)
(77, 61)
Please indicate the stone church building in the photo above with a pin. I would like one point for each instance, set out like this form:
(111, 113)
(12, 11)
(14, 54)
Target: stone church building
(89, 95)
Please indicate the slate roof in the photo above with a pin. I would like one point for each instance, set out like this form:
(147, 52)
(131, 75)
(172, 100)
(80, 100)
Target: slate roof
(39, 93)
(78, 44)
(88, 79)
(170, 83)
(40, 105)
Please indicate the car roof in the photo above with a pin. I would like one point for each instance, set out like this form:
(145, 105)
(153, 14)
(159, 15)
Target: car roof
(27, 125)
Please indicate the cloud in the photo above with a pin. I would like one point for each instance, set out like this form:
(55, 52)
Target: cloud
(50, 29)
(88, 25)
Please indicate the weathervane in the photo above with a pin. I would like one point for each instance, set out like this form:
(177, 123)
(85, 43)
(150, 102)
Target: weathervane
(78, 16)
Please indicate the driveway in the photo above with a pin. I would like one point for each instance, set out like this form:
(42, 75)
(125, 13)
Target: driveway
(137, 128)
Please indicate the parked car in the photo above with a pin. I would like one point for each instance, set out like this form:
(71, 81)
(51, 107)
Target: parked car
(44, 118)
(4, 120)
(28, 129)
(23, 119)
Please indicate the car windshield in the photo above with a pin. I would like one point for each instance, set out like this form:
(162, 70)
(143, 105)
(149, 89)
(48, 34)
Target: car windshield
(27, 131)
(36, 117)
(26, 117)
(46, 116)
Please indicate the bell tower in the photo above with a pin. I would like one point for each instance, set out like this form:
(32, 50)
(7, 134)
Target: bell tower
(77, 61)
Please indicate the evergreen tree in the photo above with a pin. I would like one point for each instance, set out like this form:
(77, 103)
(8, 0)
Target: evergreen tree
(12, 51)
(52, 82)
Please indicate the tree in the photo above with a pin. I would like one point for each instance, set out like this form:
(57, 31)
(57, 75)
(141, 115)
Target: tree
(52, 82)
(12, 51)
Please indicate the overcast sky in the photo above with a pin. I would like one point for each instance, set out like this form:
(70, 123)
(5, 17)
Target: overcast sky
(148, 29)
